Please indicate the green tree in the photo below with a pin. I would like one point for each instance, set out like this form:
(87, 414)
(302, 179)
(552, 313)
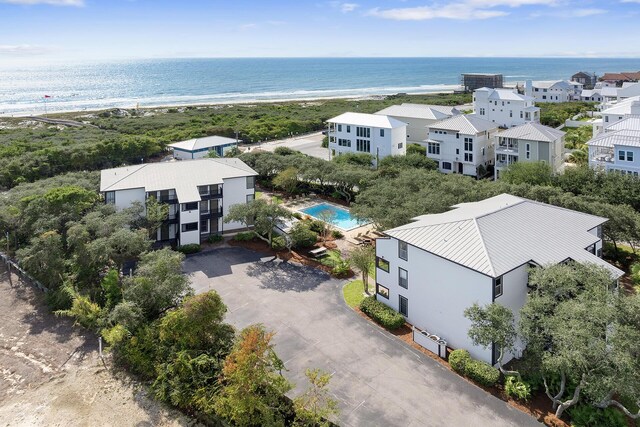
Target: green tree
(252, 389)
(287, 180)
(44, 259)
(416, 149)
(315, 406)
(533, 173)
(302, 236)
(111, 289)
(260, 214)
(355, 159)
(363, 258)
(493, 325)
(156, 213)
(410, 160)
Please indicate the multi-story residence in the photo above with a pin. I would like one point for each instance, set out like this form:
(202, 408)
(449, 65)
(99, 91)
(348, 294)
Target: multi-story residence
(198, 193)
(462, 144)
(530, 142)
(591, 95)
(505, 107)
(616, 112)
(201, 147)
(556, 91)
(619, 78)
(617, 148)
(435, 267)
(374, 134)
(588, 80)
(418, 117)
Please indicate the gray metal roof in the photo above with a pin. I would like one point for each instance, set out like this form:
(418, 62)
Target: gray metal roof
(501, 233)
(468, 124)
(183, 176)
(505, 95)
(532, 132)
(631, 122)
(200, 143)
(626, 137)
(420, 111)
(370, 120)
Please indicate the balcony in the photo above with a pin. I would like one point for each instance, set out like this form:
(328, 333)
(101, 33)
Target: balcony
(210, 196)
(170, 200)
(214, 213)
(507, 148)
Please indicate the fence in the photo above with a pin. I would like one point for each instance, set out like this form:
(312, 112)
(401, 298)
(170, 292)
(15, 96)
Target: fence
(13, 267)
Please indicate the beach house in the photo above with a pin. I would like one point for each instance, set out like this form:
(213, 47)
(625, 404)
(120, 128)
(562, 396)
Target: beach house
(587, 79)
(505, 107)
(418, 117)
(199, 193)
(201, 147)
(462, 144)
(556, 91)
(374, 134)
(435, 267)
(530, 142)
(617, 148)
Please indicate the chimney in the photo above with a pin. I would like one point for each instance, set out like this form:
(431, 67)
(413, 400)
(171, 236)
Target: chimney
(528, 88)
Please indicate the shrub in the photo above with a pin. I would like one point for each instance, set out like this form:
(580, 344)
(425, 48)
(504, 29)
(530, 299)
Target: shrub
(458, 360)
(517, 389)
(583, 415)
(302, 236)
(243, 236)
(278, 243)
(337, 234)
(482, 373)
(215, 238)
(297, 215)
(382, 314)
(191, 248)
(317, 226)
(341, 269)
(284, 151)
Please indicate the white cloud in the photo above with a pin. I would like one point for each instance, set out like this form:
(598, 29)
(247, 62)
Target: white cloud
(587, 12)
(76, 3)
(23, 50)
(630, 1)
(572, 13)
(248, 26)
(344, 7)
(461, 11)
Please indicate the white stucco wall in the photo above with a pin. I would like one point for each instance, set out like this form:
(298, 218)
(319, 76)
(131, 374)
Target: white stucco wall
(380, 146)
(502, 113)
(514, 295)
(189, 237)
(417, 130)
(125, 198)
(438, 293)
(449, 143)
(234, 191)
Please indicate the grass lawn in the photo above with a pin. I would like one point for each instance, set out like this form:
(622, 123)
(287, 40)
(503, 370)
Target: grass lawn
(276, 199)
(353, 293)
(331, 259)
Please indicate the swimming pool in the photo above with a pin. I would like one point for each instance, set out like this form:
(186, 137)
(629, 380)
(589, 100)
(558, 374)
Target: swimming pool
(342, 217)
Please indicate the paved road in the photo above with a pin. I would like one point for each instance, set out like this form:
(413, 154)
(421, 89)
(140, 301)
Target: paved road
(308, 144)
(378, 379)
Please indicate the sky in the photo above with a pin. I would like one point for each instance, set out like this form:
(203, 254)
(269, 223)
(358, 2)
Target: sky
(89, 30)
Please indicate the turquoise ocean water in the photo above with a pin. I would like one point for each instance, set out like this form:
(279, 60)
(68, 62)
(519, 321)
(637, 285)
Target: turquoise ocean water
(192, 81)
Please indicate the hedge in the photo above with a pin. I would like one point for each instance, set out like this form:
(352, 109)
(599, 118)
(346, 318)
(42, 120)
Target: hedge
(458, 360)
(382, 314)
(189, 249)
(482, 373)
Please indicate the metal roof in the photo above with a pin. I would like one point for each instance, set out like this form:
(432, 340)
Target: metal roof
(623, 107)
(420, 111)
(183, 176)
(631, 122)
(532, 132)
(626, 137)
(546, 84)
(505, 95)
(200, 143)
(501, 233)
(369, 120)
(468, 124)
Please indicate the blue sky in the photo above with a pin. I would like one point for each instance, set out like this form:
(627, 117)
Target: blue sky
(76, 30)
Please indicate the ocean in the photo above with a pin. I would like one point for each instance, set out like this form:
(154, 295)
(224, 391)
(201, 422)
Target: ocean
(166, 82)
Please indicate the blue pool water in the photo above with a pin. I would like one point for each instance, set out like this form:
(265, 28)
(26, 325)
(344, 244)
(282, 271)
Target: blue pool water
(343, 218)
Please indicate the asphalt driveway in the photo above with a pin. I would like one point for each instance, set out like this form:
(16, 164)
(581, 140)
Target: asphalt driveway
(378, 379)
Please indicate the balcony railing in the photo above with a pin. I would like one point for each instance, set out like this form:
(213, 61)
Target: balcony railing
(214, 213)
(216, 195)
(170, 200)
(511, 148)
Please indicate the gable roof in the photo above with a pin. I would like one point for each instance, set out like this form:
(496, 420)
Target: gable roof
(546, 84)
(623, 107)
(626, 137)
(468, 124)
(183, 176)
(420, 111)
(628, 90)
(501, 233)
(533, 132)
(504, 95)
(370, 120)
(625, 75)
(201, 143)
(631, 122)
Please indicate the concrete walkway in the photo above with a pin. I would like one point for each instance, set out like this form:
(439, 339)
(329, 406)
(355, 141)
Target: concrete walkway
(377, 378)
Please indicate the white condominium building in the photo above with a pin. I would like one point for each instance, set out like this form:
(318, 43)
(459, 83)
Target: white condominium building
(505, 107)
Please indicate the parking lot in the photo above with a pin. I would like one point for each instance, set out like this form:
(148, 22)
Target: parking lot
(377, 379)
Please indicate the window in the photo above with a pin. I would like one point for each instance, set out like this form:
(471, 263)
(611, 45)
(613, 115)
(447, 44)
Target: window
(521, 116)
(403, 306)
(629, 156)
(339, 128)
(191, 206)
(251, 182)
(483, 151)
(606, 119)
(482, 111)
(363, 132)
(382, 132)
(457, 151)
(400, 145)
(446, 166)
(363, 145)
(110, 197)
(204, 226)
(251, 197)
(433, 148)
(403, 250)
(528, 151)
(468, 157)
(203, 190)
(344, 142)
(382, 291)
(403, 278)
(621, 155)
(190, 226)
(382, 264)
(510, 113)
(348, 129)
(457, 136)
(497, 287)
(468, 146)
